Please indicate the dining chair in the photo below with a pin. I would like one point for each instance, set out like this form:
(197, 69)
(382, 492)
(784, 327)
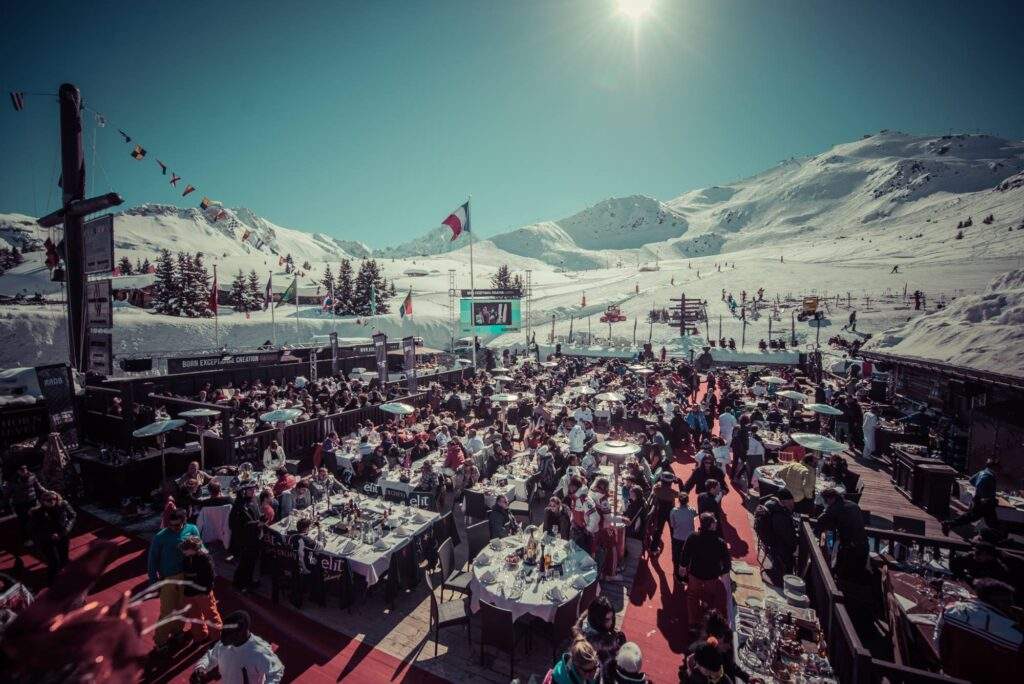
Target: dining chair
(587, 597)
(477, 535)
(476, 505)
(498, 630)
(451, 577)
(447, 614)
(558, 631)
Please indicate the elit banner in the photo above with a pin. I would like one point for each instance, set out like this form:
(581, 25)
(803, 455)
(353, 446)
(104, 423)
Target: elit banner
(380, 347)
(409, 351)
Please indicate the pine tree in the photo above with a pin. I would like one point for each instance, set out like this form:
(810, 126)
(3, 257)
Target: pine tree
(144, 268)
(502, 280)
(239, 296)
(138, 266)
(344, 289)
(306, 266)
(125, 265)
(254, 292)
(201, 288)
(327, 281)
(392, 291)
(361, 290)
(289, 263)
(165, 293)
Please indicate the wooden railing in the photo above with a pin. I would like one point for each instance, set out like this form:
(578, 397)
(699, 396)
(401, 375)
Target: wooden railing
(851, 661)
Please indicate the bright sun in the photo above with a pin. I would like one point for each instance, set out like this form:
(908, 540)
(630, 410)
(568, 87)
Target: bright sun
(635, 9)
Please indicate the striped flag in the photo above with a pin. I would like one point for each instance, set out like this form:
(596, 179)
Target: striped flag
(458, 221)
(138, 152)
(188, 189)
(18, 100)
(406, 308)
(268, 296)
(291, 293)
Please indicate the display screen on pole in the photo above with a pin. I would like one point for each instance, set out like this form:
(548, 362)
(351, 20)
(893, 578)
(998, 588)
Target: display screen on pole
(489, 316)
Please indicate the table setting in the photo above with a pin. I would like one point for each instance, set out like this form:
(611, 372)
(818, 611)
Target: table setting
(362, 529)
(508, 573)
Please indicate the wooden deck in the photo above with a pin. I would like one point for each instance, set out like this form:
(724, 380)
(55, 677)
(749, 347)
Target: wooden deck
(883, 500)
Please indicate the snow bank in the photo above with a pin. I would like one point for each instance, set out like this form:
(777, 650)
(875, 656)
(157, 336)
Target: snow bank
(983, 332)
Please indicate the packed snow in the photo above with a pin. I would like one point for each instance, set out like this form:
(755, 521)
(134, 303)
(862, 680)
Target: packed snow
(841, 220)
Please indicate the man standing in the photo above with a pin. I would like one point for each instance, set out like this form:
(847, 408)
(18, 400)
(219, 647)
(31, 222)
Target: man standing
(847, 521)
(984, 503)
(51, 523)
(726, 424)
(273, 457)
(851, 324)
(166, 562)
(777, 533)
(246, 528)
(24, 491)
(870, 424)
(577, 439)
(240, 657)
(705, 558)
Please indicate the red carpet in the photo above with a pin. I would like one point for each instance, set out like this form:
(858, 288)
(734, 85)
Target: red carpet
(310, 651)
(656, 617)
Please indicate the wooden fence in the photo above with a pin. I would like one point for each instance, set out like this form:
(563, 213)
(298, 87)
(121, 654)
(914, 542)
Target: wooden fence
(851, 661)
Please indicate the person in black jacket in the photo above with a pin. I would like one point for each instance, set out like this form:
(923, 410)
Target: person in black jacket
(51, 523)
(782, 538)
(499, 520)
(246, 524)
(24, 491)
(709, 502)
(197, 566)
(847, 521)
(705, 558)
(707, 470)
(740, 445)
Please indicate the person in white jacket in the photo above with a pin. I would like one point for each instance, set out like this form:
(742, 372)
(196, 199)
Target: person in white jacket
(577, 439)
(240, 656)
(870, 424)
(726, 424)
(273, 456)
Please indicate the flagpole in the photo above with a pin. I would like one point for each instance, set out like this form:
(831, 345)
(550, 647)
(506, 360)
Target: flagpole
(216, 316)
(334, 320)
(273, 323)
(295, 282)
(472, 282)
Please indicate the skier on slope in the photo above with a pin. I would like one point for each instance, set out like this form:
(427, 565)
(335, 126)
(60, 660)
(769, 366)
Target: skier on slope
(851, 325)
(895, 269)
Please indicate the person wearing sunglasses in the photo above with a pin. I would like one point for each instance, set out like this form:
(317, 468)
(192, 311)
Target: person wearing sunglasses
(580, 665)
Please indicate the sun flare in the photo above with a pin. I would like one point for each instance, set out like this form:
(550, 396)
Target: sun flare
(635, 9)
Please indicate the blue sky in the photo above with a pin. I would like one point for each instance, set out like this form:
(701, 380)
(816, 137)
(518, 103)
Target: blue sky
(371, 120)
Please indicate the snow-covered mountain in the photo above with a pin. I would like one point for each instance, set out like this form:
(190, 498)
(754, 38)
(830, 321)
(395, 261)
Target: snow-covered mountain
(899, 182)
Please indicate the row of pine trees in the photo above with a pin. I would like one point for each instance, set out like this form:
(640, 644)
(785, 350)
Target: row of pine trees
(183, 287)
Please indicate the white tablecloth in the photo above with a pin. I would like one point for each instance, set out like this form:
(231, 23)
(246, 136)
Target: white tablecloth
(492, 491)
(534, 599)
(364, 559)
(767, 473)
(1012, 513)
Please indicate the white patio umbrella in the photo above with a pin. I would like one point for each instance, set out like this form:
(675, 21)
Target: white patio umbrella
(792, 394)
(397, 408)
(824, 409)
(200, 413)
(502, 378)
(809, 440)
(506, 397)
(585, 389)
(159, 429)
(549, 364)
(774, 380)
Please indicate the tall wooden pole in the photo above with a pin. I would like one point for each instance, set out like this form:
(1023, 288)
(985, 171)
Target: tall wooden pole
(72, 159)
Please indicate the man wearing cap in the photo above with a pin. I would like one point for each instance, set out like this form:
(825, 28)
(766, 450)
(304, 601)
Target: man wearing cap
(246, 524)
(799, 479)
(166, 562)
(240, 657)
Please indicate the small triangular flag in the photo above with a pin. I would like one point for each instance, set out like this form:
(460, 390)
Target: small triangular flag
(138, 152)
(127, 138)
(163, 167)
(18, 100)
(188, 189)
(174, 179)
(101, 121)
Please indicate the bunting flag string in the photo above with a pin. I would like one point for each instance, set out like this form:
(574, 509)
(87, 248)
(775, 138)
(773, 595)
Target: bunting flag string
(213, 208)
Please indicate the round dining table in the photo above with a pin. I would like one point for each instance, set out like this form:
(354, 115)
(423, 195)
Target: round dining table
(519, 587)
